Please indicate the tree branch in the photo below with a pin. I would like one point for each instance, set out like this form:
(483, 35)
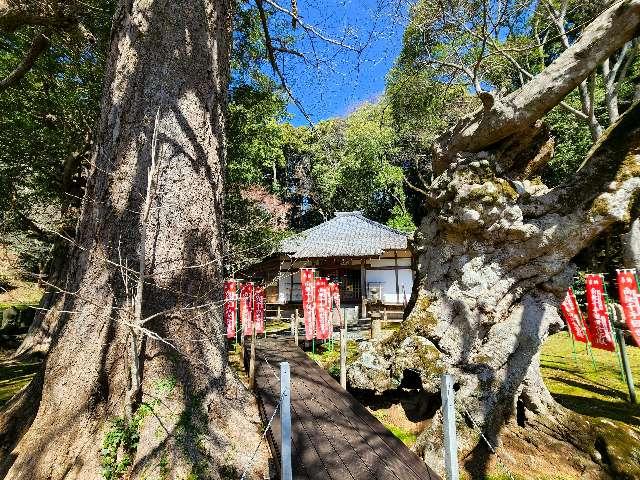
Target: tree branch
(272, 60)
(586, 95)
(522, 71)
(310, 28)
(605, 183)
(19, 13)
(39, 44)
(599, 40)
(414, 188)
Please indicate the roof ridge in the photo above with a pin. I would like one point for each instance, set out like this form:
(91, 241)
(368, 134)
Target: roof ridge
(312, 228)
(386, 227)
(300, 236)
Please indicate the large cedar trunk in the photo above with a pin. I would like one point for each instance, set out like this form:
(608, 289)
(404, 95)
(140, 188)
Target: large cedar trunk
(170, 58)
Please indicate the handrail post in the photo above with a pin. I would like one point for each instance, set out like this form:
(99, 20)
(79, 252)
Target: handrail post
(285, 421)
(449, 427)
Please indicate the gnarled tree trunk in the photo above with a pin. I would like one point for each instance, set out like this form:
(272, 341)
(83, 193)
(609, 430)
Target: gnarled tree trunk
(171, 59)
(494, 257)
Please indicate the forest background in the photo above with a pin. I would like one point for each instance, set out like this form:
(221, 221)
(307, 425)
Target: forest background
(280, 178)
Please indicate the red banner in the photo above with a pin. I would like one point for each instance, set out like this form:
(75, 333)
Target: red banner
(598, 327)
(230, 307)
(323, 309)
(571, 313)
(630, 301)
(334, 289)
(308, 300)
(246, 307)
(258, 308)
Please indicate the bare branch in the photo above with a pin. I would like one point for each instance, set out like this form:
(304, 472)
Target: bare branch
(274, 64)
(311, 29)
(414, 188)
(521, 70)
(586, 95)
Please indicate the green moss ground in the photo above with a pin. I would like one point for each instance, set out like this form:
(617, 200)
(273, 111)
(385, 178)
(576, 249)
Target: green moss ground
(575, 384)
(277, 327)
(405, 436)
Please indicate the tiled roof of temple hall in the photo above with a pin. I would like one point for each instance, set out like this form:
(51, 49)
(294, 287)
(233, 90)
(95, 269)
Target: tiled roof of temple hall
(348, 234)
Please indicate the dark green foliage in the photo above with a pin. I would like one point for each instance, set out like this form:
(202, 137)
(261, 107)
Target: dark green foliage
(256, 214)
(45, 125)
(351, 164)
(573, 141)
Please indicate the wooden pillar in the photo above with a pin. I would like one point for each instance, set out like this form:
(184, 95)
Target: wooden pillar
(395, 259)
(291, 284)
(363, 288)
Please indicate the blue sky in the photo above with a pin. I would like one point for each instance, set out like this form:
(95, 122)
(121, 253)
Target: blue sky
(344, 79)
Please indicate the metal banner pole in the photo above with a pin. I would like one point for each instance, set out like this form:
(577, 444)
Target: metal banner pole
(616, 341)
(627, 368)
(573, 346)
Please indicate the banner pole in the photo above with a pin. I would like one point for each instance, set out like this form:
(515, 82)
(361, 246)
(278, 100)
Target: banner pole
(611, 313)
(616, 342)
(593, 358)
(235, 299)
(627, 368)
(573, 347)
(588, 342)
(237, 309)
(612, 316)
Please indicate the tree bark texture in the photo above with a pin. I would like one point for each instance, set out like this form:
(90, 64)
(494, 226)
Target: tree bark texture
(171, 57)
(494, 258)
(631, 246)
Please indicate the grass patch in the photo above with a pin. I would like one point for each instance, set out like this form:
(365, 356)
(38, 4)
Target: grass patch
(576, 385)
(15, 375)
(329, 358)
(405, 436)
